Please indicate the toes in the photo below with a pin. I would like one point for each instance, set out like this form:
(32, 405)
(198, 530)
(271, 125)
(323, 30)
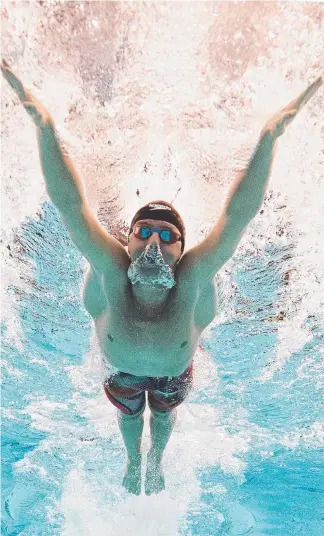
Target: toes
(132, 487)
(154, 488)
(154, 480)
(132, 480)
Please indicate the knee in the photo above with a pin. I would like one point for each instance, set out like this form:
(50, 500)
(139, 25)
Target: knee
(165, 416)
(129, 417)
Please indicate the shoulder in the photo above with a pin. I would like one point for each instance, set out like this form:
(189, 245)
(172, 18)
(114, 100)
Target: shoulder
(100, 289)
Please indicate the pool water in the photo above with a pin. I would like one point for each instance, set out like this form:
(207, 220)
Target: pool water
(247, 449)
(246, 454)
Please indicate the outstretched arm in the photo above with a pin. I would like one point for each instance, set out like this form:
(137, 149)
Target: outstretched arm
(63, 183)
(65, 187)
(245, 197)
(247, 193)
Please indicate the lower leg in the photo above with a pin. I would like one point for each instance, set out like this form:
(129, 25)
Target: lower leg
(161, 426)
(131, 427)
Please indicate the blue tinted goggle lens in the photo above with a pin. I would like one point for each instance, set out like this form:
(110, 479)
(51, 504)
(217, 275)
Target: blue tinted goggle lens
(145, 232)
(166, 235)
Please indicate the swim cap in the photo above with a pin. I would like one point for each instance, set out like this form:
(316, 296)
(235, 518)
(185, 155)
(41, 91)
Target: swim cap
(161, 210)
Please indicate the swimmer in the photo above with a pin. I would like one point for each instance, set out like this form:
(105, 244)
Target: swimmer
(151, 300)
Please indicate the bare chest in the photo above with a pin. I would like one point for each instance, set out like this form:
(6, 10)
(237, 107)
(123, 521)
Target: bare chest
(162, 346)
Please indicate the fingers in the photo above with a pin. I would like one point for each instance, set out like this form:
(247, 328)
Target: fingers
(4, 64)
(12, 80)
(5, 68)
(306, 95)
(309, 92)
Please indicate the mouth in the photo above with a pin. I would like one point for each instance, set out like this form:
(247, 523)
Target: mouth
(151, 269)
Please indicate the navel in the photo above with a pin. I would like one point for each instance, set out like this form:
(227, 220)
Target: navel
(184, 344)
(110, 337)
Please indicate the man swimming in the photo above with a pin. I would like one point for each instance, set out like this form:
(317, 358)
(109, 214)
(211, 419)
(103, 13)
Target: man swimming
(150, 304)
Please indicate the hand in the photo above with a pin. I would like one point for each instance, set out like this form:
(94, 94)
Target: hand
(277, 125)
(33, 107)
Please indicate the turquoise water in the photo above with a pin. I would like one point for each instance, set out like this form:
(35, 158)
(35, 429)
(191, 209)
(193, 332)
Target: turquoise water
(279, 484)
(165, 100)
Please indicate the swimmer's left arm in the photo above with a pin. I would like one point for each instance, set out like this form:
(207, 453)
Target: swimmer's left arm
(245, 196)
(247, 193)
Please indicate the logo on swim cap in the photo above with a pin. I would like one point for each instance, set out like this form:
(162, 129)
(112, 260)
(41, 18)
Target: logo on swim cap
(160, 210)
(154, 206)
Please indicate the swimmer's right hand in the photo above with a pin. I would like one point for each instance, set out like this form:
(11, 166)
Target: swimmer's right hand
(33, 107)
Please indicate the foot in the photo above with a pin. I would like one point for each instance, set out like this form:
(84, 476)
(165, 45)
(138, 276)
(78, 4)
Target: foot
(132, 477)
(154, 479)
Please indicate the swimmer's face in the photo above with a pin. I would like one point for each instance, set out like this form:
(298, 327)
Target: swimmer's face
(171, 252)
(153, 261)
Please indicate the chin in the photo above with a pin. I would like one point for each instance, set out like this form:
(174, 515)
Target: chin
(151, 282)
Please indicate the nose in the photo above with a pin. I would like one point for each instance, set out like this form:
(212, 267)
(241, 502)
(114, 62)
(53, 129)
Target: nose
(154, 238)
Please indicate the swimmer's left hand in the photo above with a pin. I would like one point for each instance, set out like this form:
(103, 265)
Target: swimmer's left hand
(277, 124)
(33, 107)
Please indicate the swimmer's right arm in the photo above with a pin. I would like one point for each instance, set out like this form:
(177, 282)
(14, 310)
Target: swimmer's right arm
(63, 183)
(65, 187)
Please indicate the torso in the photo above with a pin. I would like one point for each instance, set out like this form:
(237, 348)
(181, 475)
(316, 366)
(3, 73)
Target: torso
(162, 346)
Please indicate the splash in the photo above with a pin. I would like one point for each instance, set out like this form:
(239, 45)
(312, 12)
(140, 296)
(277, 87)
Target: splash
(151, 270)
(163, 100)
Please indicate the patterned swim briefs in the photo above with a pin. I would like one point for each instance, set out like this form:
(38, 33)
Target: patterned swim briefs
(127, 392)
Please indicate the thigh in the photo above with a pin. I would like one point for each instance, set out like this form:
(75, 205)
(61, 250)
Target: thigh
(126, 392)
(169, 394)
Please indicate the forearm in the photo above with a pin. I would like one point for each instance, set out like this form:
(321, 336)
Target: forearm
(64, 185)
(247, 193)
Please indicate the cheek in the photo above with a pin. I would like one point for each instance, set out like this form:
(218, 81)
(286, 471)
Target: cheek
(131, 251)
(172, 255)
(132, 244)
(176, 249)
(134, 249)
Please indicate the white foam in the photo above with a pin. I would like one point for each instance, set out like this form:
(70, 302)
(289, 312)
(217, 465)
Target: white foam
(86, 512)
(178, 130)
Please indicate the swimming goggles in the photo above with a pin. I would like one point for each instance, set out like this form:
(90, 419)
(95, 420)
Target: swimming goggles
(143, 232)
